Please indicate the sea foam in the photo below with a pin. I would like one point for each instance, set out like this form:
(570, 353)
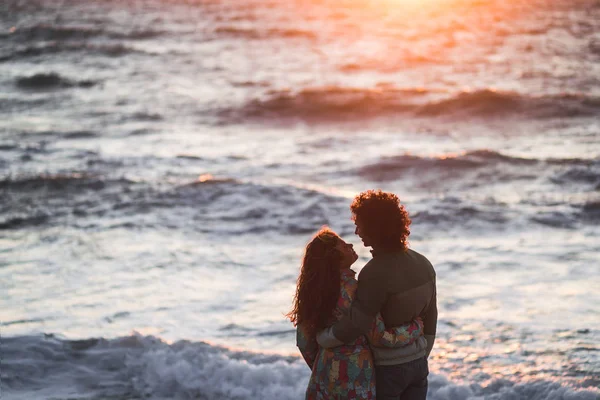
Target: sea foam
(146, 366)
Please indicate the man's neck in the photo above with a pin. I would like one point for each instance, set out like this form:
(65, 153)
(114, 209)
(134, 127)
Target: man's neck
(379, 251)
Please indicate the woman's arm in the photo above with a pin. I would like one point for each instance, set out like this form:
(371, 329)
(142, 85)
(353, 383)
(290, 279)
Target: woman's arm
(307, 345)
(395, 337)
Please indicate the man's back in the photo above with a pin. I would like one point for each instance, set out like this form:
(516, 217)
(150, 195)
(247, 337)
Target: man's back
(388, 283)
(408, 279)
(400, 285)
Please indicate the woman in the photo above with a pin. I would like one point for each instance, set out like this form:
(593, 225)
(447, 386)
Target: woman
(325, 290)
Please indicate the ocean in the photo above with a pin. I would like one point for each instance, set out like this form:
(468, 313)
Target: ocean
(163, 163)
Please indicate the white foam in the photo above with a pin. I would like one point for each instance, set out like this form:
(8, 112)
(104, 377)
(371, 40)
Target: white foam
(442, 389)
(144, 366)
(184, 371)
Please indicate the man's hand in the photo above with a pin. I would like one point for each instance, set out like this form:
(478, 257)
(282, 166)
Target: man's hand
(430, 340)
(327, 339)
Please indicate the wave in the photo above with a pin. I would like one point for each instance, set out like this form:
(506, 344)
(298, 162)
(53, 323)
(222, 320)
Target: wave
(591, 211)
(137, 366)
(488, 103)
(254, 33)
(336, 104)
(231, 206)
(141, 34)
(22, 222)
(16, 104)
(479, 167)
(146, 116)
(145, 366)
(578, 174)
(58, 183)
(58, 33)
(55, 33)
(323, 104)
(189, 157)
(452, 212)
(391, 167)
(556, 219)
(228, 206)
(210, 204)
(471, 168)
(50, 81)
(8, 146)
(391, 65)
(80, 135)
(110, 50)
(45, 199)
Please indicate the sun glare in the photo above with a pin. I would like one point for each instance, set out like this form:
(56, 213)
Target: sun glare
(414, 3)
(400, 7)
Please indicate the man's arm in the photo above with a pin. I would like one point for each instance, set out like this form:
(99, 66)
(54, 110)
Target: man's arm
(430, 320)
(370, 298)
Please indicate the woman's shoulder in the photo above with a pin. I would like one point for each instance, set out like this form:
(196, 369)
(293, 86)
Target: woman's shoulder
(348, 286)
(349, 278)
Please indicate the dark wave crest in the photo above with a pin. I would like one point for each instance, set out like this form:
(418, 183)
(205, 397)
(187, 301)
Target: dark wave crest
(80, 135)
(500, 167)
(591, 210)
(392, 168)
(488, 103)
(109, 50)
(467, 216)
(14, 105)
(45, 199)
(209, 204)
(58, 33)
(578, 174)
(232, 206)
(141, 34)
(50, 81)
(324, 104)
(54, 33)
(54, 183)
(336, 104)
(255, 33)
(23, 222)
(228, 206)
(452, 214)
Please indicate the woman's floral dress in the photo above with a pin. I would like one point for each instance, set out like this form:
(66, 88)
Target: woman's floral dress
(347, 372)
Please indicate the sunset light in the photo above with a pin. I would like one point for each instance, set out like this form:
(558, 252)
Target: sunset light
(300, 199)
(415, 3)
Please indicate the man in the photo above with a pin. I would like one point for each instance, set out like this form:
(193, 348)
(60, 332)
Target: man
(399, 283)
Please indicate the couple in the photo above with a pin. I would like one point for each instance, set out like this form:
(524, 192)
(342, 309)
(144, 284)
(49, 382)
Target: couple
(367, 338)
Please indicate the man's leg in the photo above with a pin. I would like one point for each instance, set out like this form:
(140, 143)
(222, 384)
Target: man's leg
(391, 382)
(417, 388)
(406, 381)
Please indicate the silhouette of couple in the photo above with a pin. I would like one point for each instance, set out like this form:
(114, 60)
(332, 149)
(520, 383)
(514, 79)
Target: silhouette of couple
(367, 338)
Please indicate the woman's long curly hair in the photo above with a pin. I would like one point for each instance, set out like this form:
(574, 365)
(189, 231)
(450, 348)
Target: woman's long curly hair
(318, 286)
(383, 218)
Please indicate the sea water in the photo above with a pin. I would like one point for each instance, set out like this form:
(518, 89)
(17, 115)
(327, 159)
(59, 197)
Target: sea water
(164, 163)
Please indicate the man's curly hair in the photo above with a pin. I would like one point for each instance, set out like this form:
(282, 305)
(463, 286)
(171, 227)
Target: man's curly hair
(382, 218)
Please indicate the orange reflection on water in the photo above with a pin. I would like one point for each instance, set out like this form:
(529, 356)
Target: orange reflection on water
(205, 178)
(464, 361)
(398, 35)
(448, 156)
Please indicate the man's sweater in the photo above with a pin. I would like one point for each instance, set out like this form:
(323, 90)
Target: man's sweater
(401, 285)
